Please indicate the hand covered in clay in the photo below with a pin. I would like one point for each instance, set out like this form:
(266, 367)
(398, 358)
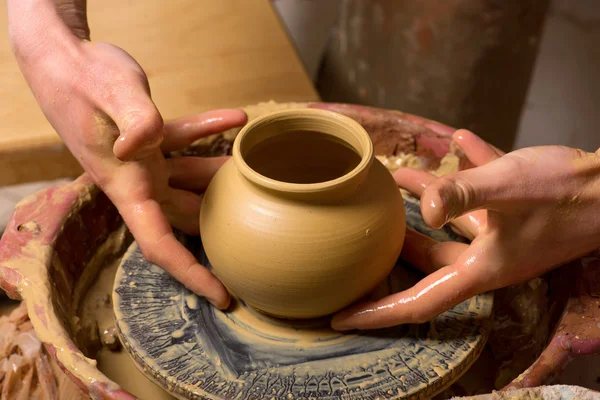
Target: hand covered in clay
(97, 98)
(526, 213)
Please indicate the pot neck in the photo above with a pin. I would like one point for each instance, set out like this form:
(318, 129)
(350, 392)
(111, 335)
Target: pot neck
(337, 126)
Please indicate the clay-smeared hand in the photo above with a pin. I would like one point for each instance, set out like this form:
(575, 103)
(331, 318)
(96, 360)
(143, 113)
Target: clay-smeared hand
(154, 193)
(97, 97)
(526, 212)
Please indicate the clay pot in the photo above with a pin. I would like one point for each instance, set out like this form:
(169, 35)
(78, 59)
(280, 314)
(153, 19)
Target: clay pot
(303, 220)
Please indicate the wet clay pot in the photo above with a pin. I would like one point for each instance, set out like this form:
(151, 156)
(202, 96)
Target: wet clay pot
(303, 220)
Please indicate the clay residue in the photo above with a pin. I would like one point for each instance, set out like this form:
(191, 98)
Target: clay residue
(90, 331)
(393, 163)
(49, 328)
(226, 353)
(449, 163)
(555, 392)
(96, 320)
(26, 369)
(315, 332)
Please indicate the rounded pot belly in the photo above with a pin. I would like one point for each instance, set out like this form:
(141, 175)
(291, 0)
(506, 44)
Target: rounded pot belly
(294, 258)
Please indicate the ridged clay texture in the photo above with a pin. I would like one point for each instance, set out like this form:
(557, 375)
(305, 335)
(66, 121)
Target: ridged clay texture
(308, 249)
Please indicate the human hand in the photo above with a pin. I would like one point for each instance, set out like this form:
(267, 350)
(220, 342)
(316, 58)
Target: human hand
(154, 193)
(97, 97)
(526, 212)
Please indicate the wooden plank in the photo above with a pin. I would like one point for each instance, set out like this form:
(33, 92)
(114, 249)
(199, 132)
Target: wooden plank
(198, 55)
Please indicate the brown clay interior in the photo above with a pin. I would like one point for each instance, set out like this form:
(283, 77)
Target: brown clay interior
(302, 157)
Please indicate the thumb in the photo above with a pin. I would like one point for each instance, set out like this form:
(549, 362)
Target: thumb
(139, 122)
(491, 186)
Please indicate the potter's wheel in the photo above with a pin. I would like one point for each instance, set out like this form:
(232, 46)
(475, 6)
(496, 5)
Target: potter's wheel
(195, 351)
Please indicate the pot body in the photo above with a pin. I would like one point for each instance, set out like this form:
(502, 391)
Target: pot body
(295, 256)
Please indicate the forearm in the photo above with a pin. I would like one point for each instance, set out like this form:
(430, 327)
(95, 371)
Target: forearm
(39, 27)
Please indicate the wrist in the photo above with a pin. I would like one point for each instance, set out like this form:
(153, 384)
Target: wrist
(39, 27)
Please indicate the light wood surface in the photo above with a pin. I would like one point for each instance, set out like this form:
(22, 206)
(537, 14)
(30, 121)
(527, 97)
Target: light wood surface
(198, 55)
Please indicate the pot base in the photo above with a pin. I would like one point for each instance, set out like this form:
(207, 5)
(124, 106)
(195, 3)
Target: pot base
(195, 351)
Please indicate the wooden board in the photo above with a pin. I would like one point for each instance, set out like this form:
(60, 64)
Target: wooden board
(198, 54)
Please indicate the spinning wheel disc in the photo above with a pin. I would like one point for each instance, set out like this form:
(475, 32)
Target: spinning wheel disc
(195, 351)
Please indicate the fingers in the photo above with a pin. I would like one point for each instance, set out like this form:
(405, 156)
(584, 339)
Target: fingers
(159, 245)
(427, 254)
(413, 180)
(138, 120)
(183, 211)
(193, 173)
(493, 186)
(434, 294)
(469, 225)
(476, 149)
(184, 131)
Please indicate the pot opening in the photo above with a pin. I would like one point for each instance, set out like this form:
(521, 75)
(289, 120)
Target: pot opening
(304, 151)
(302, 157)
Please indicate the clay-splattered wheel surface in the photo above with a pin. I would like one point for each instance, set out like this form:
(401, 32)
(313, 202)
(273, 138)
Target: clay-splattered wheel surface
(195, 351)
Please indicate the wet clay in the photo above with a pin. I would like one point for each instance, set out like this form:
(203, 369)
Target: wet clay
(34, 287)
(449, 163)
(26, 369)
(302, 220)
(96, 310)
(302, 157)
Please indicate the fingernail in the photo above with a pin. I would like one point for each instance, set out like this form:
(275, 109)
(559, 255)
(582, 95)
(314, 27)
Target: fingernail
(342, 324)
(221, 304)
(345, 320)
(451, 206)
(124, 150)
(144, 153)
(438, 214)
(150, 146)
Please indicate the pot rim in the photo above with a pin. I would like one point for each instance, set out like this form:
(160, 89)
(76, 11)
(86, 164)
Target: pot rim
(348, 130)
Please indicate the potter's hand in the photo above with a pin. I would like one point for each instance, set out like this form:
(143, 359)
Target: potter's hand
(92, 93)
(98, 99)
(526, 212)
